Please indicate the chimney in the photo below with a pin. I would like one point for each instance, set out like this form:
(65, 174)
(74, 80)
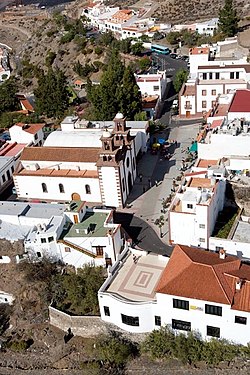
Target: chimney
(222, 254)
(238, 284)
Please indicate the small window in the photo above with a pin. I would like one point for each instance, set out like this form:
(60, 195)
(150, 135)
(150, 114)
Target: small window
(218, 248)
(50, 239)
(8, 175)
(117, 137)
(213, 331)
(39, 254)
(87, 189)
(36, 136)
(231, 75)
(202, 239)
(127, 162)
(204, 104)
(213, 310)
(108, 262)
(213, 92)
(181, 325)
(202, 226)
(44, 187)
(43, 240)
(189, 205)
(106, 311)
(204, 76)
(157, 320)
(237, 75)
(240, 320)
(130, 320)
(12, 168)
(210, 75)
(99, 251)
(213, 103)
(204, 92)
(61, 188)
(4, 178)
(155, 88)
(180, 304)
(67, 250)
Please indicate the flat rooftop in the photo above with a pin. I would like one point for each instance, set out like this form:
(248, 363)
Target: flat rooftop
(204, 163)
(92, 220)
(242, 232)
(136, 281)
(36, 210)
(200, 182)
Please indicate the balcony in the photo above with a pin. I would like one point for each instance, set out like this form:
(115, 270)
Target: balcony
(188, 106)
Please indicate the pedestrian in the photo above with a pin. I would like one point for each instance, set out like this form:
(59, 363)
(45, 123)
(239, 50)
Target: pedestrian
(140, 177)
(144, 189)
(156, 183)
(149, 183)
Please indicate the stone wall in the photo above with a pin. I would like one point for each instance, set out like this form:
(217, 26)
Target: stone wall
(85, 326)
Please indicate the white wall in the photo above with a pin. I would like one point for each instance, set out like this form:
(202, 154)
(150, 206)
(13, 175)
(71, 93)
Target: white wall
(183, 100)
(109, 186)
(30, 187)
(240, 249)
(233, 115)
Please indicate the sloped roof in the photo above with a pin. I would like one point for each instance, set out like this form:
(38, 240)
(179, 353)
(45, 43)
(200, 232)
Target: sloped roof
(240, 102)
(30, 128)
(199, 274)
(60, 154)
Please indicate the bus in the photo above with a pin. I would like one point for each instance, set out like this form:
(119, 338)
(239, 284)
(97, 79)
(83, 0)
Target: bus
(160, 49)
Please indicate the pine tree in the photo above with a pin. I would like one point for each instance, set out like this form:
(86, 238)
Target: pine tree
(228, 19)
(129, 95)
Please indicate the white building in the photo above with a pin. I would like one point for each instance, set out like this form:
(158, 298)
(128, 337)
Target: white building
(209, 79)
(205, 27)
(30, 134)
(72, 234)
(194, 210)
(195, 290)
(4, 64)
(97, 166)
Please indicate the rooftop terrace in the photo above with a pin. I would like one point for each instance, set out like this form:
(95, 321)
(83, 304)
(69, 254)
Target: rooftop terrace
(91, 226)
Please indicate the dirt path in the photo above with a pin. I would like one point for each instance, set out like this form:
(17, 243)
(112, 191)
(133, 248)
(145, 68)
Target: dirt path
(16, 28)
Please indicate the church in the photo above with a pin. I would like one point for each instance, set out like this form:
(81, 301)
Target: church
(87, 161)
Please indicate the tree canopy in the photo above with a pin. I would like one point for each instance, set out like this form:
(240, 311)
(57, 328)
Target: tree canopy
(228, 19)
(52, 96)
(180, 78)
(8, 100)
(117, 92)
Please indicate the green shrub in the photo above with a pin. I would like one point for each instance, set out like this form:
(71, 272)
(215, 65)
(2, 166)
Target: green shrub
(98, 50)
(159, 343)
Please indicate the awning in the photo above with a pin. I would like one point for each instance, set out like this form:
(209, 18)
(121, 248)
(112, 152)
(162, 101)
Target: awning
(193, 147)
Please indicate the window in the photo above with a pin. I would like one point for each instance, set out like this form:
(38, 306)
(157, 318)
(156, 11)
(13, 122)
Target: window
(218, 248)
(180, 304)
(213, 310)
(204, 76)
(108, 262)
(240, 320)
(157, 320)
(8, 175)
(202, 239)
(213, 92)
(67, 249)
(43, 240)
(210, 75)
(231, 75)
(202, 226)
(217, 75)
(4, 179)
(12, 168)
(44, 187)
(213, 331)
(155, 88)
(130, 320)
(99, 251)
(39, 254)
(87, 189)
(117, 137)
(189, 205)
(228, 91)
(127, 162)
(204, 104)
(213, 103)
(50, 239)
(204, 92)
(106, 311)
(180, 324)
(237, 75)
(36, 136)
(61, 188)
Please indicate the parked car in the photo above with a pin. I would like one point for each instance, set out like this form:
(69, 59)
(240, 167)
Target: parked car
(173, 55)
(5, 136)
(178, 57)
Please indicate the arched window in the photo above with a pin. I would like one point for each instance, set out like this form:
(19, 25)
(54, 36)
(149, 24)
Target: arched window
(87, 189)
(61, 188)
(44, 187)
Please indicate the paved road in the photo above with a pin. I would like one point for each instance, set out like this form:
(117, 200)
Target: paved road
(165, 62)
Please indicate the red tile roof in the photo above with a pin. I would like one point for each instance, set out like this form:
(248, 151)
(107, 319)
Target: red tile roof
(240, 102)
(30, 128)
(205, 163)
(200, 274)
(61, 154)
(216, 123)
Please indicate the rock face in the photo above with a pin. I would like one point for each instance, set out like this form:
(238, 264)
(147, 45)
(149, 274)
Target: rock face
(242, 197)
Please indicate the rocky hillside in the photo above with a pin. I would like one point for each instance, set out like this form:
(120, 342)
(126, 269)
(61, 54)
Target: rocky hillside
(181, 11)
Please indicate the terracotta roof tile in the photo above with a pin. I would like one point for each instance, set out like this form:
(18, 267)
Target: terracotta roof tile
(58, 173)
(240, 102)
(204, 163)
(61, 154)
(30, 128)
(198, 274)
